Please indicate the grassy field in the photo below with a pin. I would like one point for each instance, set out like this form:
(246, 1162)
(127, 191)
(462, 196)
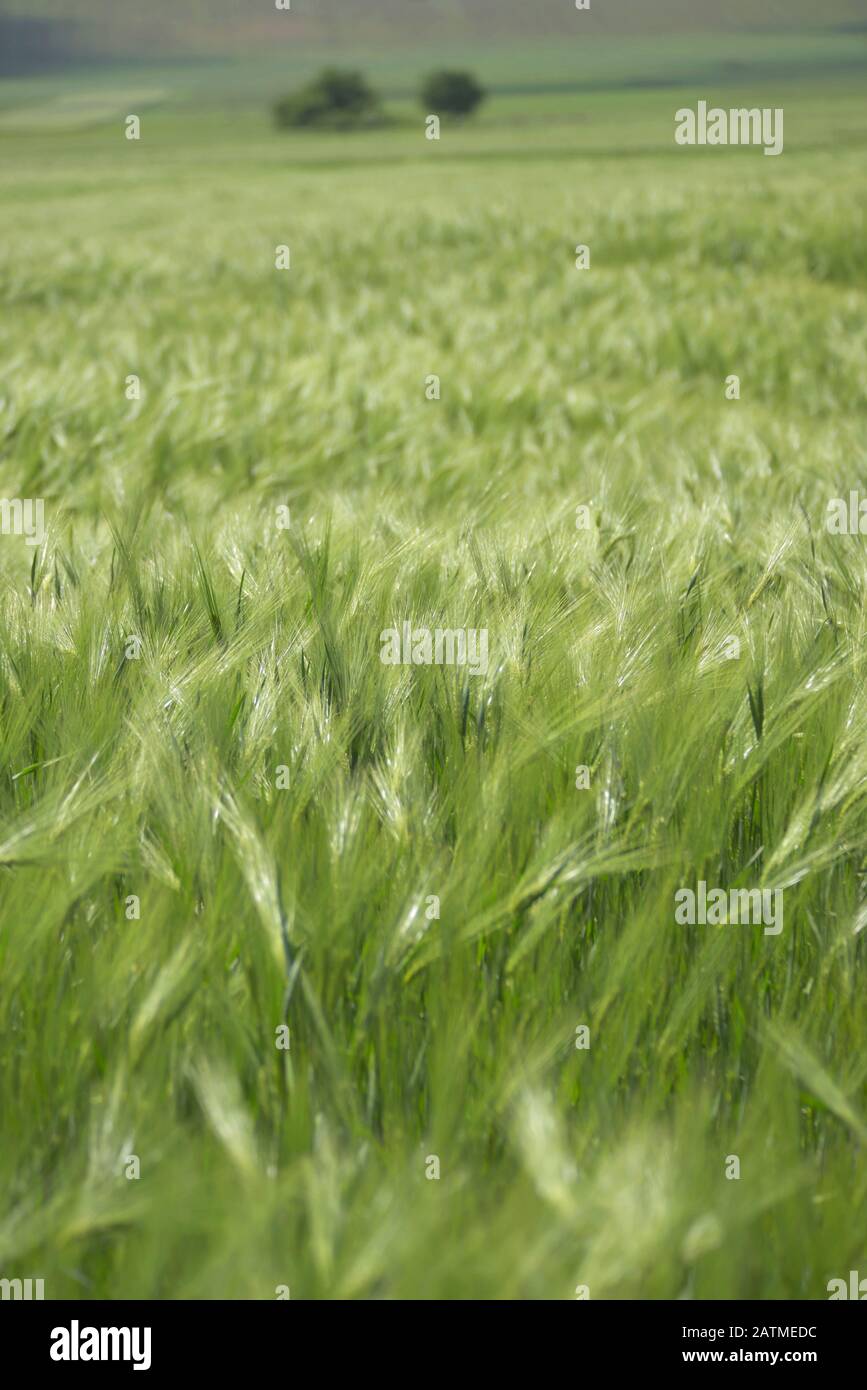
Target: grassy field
(168, 649)
(548, 70)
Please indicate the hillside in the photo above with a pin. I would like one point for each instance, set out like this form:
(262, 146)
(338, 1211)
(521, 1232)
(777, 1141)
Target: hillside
(91, 28)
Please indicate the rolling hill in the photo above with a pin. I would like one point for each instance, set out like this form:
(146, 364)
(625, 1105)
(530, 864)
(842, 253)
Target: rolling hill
(54, 31)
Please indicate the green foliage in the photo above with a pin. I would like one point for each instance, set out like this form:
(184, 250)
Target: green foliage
(261, 906)
(336, 99)
(451, 93)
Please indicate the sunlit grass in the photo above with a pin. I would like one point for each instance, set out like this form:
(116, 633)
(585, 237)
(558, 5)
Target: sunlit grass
(155, 776)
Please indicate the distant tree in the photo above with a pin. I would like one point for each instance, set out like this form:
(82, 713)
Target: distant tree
(336, 99)
(452, 93)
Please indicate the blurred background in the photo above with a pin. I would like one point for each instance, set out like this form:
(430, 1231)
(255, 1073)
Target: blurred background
(517, 39)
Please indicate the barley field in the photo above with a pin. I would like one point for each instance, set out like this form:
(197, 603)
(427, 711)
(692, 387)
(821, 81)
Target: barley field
(363, 980)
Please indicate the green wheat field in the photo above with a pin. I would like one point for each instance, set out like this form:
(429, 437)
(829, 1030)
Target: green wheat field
(221, 815)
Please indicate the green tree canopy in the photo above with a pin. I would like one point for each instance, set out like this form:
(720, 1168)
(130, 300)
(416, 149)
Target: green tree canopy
(452, 93)
(337, 99)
